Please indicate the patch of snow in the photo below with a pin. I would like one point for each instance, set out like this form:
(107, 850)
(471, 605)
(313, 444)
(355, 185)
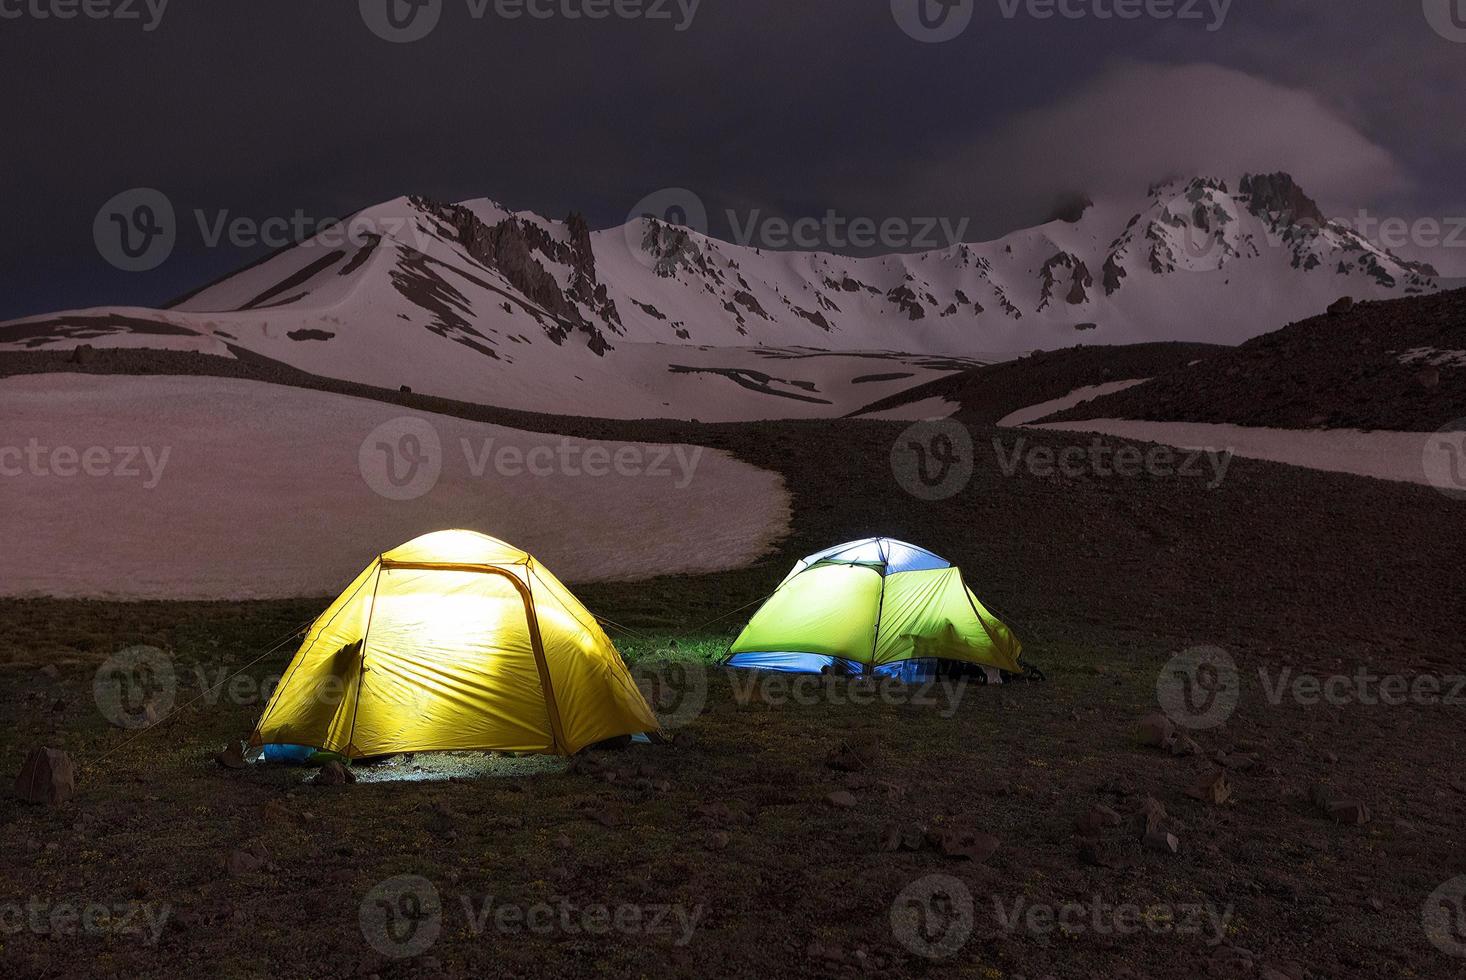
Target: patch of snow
(267, 492)
(1395, 456)
(1076, 397)
(1434, 356)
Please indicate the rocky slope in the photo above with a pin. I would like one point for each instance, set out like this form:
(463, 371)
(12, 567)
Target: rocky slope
(1397, 365)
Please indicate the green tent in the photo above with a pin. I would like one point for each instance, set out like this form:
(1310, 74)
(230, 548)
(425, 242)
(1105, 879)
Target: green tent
(873, 606)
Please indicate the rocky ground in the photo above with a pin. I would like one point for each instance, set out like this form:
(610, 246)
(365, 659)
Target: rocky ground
(1397, 365)
(1027, 831)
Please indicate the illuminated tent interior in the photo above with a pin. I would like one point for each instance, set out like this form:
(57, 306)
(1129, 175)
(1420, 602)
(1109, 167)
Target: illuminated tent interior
(455, 641)
(876, 606)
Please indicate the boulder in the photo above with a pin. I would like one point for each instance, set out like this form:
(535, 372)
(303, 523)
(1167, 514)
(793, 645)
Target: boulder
(1341, 305)
(1155, 730)
(1214, 787)
(247, 860)
(1097, 818)
(46, 778)
(1151, 816)
(333, 774)
(232, 757)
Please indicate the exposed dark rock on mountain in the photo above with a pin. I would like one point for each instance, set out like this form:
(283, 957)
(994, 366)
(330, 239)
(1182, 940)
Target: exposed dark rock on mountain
(1394, 365)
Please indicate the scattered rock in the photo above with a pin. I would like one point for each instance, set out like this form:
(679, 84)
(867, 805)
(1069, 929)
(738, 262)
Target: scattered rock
(1097, 818)
(963, 842)
(1349, 812)
(275, 812)
(1184, 744)
(46, 778)
(1336, 807)
(717, 840)
(1213, 787)
(247, 860)
(232, 757)
(333, 774)
(50, 671)
(910, 837)
(1155, 730)
(1429, 377)
(1100, 853)
(442, 819)
(841, 799)
(1151, 816)
(855, 756)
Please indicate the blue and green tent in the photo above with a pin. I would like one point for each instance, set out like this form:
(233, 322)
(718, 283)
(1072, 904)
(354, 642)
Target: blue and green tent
(874, 606)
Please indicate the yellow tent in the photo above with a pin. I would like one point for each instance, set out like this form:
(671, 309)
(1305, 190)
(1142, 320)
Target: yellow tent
(454, 641)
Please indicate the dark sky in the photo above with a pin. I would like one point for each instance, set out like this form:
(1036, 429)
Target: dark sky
(267, 108)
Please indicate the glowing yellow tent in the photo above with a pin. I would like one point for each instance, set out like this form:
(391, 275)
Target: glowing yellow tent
(454, 641)
(874, 606)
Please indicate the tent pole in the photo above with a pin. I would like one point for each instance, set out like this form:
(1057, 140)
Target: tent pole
(361, 667)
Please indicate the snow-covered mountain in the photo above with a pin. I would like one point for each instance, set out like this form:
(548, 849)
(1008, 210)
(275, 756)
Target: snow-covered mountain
(475, 302)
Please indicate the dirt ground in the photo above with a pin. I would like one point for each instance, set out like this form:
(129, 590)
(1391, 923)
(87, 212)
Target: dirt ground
(732, 851)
